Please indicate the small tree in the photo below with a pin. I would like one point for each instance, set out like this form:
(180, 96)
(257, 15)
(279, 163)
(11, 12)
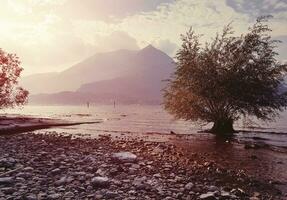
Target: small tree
(10, 94)
(227, 78)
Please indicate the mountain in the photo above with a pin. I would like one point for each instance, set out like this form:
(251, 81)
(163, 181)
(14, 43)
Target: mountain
(125, 76)
(98, 67)
(36, 82)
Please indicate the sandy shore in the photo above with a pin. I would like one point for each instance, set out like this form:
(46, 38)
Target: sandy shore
(53, 166)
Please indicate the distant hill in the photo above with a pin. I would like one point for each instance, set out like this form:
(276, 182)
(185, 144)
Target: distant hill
(123, 75)
(36, 82)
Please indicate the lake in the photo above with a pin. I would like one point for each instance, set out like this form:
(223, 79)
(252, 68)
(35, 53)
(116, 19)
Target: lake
(136, 119)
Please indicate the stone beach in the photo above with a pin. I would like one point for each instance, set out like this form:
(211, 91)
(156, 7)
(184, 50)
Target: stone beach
(57, 166)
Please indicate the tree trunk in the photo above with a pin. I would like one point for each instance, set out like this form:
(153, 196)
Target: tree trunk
(223, 127)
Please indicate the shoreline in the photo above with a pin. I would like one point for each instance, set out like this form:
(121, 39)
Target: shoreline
(53, 166)
(255, 160)
(20, 124)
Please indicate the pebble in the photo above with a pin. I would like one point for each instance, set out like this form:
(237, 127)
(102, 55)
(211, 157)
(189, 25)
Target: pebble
(207, 196)
(65, 168)
(6, 181)
(28, 169)
(189, 186)
(56, 171)
(7, 190)
(99, 181)
(7, 162)
(54, 196)
(31, 197)
(124, 157)
(212, 188)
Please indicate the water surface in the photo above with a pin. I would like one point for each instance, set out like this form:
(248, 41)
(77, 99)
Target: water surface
(135, 119)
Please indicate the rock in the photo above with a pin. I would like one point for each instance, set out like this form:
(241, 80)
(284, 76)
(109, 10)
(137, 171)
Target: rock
(238, 192)
(168, 198)
(248, 146)
(54, 196)
(212, 188)
(55, 171)
(132, 192)
(31, 197)
(7, 162)
(61, 181)
(188, 186)
(69, 195)
(256, 194)
(227, 195)
(124, 157)
(80, 174)
(157, 175)
(42, 195)
(6, 181)
(98, 196)
(254, 198)
(113, 171)
(111, 195)
(100, 172)
(24, 175)
(99, 181)
(172, 133)
(255, 146)
(138, 183)
(135, 166)
(207, 196)
(28, 169)
(178, 179)
(7, 190)
(20, 179)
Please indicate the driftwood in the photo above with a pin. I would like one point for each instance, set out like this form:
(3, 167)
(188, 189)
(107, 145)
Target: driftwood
(11, 171)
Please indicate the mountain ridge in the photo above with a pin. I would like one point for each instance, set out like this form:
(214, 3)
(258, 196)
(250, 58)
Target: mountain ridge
(134, 75)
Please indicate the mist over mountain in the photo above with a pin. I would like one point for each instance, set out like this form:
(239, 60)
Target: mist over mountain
(124, 76)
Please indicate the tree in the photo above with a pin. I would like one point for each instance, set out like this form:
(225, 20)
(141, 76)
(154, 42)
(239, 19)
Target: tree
(230, 77)
(10, 94)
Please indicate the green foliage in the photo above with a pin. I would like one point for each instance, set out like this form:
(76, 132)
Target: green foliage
(227, 78)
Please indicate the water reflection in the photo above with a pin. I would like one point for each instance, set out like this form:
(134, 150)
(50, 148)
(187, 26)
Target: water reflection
(260, 163)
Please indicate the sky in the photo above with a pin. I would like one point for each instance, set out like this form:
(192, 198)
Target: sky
(52, 35)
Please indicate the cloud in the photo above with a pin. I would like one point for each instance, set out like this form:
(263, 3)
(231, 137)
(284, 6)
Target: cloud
(53, 44)
(62, 50)
(51, 35)
(282, 47)
(107, 10)
(276, 8)
(257, 8)
(117, 40)
(59, 50)
(169, 21)
(166, 46)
